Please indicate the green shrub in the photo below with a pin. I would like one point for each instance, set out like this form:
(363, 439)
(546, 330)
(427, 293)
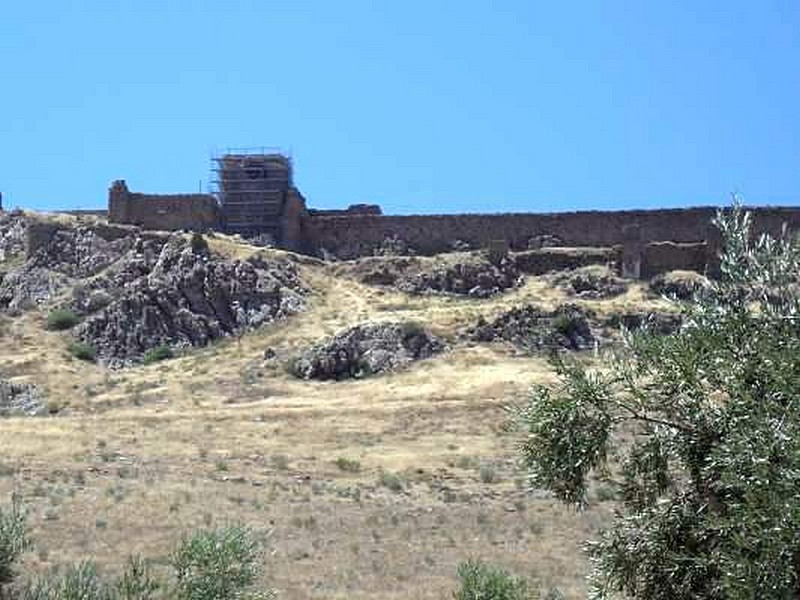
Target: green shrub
(348, 464)
(62, 319)
(79, 582)
(565, 324)
(13, 541)
(83, 351)
(487, 473)
(479, 581)
(199, 244)
(158, 354)
(393, 481)
(217, 565)
(709, 489)
(137, 582)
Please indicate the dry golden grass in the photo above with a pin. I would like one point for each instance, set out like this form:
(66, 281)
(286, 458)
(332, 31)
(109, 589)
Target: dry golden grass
(135, 458)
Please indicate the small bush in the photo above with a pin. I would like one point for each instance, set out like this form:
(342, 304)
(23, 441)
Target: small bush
(79, 582)
(488, 473)
(217, 565)
(479, 581)
(158, 354)
(565, 324)
(348, 464)
(137, 582)
(392, 481)
(13, 541)
(83, 351)
(62, 319)
(199, 244)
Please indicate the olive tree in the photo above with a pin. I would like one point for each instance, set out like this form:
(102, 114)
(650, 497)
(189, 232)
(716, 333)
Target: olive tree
(700, 432)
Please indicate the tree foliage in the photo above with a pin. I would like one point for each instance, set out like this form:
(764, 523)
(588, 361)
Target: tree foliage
(700, 431)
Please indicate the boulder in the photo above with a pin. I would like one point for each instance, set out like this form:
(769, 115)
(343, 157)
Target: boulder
(593, 282)
(19, 399)
(533, 329)
(13, 227)
(477, 279)
(460, 274)
(682, 285)
(367, 349)
(659, 323)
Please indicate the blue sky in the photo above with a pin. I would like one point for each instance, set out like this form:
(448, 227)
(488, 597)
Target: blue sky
(421, 106)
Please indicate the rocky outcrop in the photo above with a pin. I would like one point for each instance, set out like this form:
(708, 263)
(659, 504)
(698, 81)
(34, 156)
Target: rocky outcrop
(659, 323)
(65, 254)
(463, 274)
(78, 252)
(593, 282)
(12, 235)
(533, 329)
(28, 286)
(185, 299)
(19, 399)
(367, 349)
(682, 285)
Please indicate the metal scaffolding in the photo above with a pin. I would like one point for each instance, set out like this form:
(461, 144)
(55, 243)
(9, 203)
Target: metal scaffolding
(251, 186)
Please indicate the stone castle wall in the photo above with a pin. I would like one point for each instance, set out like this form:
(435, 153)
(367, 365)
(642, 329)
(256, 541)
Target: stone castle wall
(348, 236)
(645, 242)
(168, 212)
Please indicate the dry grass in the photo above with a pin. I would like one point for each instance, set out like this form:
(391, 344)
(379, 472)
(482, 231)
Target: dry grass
(135, 458)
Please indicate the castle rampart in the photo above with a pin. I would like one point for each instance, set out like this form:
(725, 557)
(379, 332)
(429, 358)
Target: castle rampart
(256, 197)
(197, 212)
(348, 236)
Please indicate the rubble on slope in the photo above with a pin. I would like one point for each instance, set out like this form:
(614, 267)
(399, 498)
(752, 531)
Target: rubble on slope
(367, 349)
(19, 399)
(682, 285)
(594, 282)
(534, 329)
(462, 274)
(659, 323)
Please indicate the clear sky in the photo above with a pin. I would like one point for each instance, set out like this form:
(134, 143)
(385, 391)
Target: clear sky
(421, 106)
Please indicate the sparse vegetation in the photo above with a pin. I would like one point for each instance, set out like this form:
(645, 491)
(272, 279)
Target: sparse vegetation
(715, 462)
(157, 354)
(82, 351)
(199, 244)
(62, 319)
(392, 481)
(480, 581)
(218, 564)
(14, 541)
(348, 465)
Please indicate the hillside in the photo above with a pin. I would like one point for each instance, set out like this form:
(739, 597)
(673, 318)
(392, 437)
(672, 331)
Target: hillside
(375, 487)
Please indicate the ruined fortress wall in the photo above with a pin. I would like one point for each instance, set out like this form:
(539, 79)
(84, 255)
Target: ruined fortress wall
(348, 236)
(169, 212)
(661, 257)
(198, 212)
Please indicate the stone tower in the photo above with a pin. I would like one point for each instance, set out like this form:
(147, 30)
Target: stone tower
(253, 190)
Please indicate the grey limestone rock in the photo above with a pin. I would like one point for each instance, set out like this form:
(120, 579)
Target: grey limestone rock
(187, 299)
(534, 329)
(367, 349)
(19, 399)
